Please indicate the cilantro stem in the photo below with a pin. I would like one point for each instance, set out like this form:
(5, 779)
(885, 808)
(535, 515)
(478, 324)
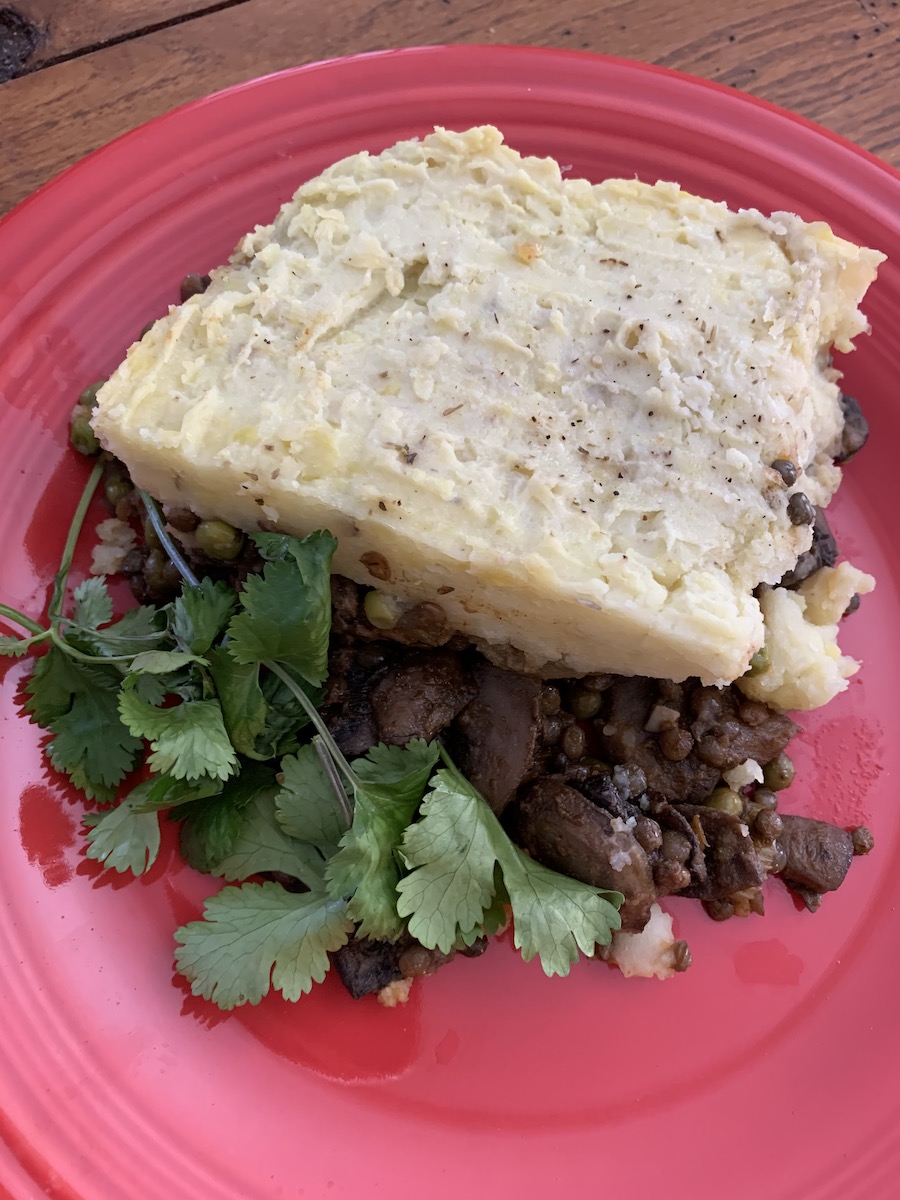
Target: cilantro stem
(445, 757)
(24, 643)
(329, 768)
(62, 575)
(13, 614)
(168, 542)
(151, 639)
(321, 728)
(95, 660)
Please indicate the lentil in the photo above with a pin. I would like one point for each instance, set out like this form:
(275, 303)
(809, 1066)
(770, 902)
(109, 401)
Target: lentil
(779, 773)
(787, 470)
(863, 842)
(799, 509)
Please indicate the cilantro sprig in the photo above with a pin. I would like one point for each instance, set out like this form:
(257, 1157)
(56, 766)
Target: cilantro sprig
(260, 935)
(454, 852)
(214, 697)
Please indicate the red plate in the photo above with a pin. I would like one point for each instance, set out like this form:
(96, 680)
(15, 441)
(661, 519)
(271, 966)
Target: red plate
(769, 1069)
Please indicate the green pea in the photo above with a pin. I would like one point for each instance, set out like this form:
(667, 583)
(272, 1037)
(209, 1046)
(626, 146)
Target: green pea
(81, 436)
(727, 801)
(116, 488)
(779, 773)
(219, 540)
(381, 610)
(88, 397)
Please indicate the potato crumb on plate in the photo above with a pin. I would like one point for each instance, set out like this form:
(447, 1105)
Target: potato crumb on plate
(116, 538)
(395, 993)
(648, 954)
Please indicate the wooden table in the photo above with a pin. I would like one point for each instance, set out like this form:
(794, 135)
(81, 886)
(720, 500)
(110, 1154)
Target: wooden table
(77, 74)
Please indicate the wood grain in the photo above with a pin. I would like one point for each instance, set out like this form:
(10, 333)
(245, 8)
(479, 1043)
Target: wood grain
(71, 28)
(834, 61)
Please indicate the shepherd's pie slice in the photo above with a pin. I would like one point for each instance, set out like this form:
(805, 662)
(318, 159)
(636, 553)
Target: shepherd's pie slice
(550, 406)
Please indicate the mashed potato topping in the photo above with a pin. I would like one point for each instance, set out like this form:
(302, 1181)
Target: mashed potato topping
(550, 406)
(806, 667)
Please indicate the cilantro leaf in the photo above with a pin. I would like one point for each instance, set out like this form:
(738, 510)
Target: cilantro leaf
(397, 773)
(78, 703)
(365, 867)
(136, 630)
(262, 715)
(187, 740)
(244, 707)
(201, 613)
(151, 688)
(209, 833)
(163, 662)
(305, 804)
(453, 852)
(211, 826)
(94, 766)
(309, 553)
(285, 716)
(274, 624)
(165, 791)
(262, 845)
(124, 838)
(56, 678)
(450, 853)
(286, 613)
(496, 915)
(93, 606)
(555, 916)
(258, 936)
(15, 647)
(192, 684)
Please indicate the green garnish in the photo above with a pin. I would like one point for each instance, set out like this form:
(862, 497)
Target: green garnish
(453, 852)
(215, 697)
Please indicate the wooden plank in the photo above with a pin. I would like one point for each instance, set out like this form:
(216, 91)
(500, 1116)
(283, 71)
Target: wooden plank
(70, 26)
(849, 56)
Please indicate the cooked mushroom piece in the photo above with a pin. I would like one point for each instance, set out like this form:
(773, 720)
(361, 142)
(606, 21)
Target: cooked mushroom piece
(565, 831)
(818, 854)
